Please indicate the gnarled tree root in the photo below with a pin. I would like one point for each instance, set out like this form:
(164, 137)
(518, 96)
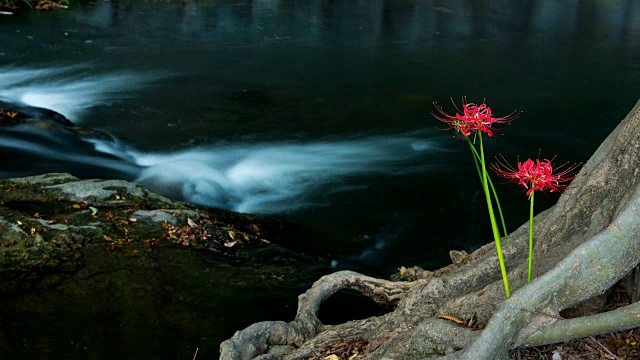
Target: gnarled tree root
(527, 317)
(623, 318)
(256, 339)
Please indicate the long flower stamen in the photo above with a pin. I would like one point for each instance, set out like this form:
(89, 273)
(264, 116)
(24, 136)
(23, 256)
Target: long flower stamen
(473, 118)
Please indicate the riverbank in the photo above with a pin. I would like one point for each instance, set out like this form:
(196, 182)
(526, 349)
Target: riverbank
(10, 7)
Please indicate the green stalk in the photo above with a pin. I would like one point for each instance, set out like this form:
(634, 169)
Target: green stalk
(530, 238)
(494, 225)
(476, 157)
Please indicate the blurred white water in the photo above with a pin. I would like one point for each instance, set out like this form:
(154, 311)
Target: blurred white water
(270, 177)
(69, 90)
(263, 178)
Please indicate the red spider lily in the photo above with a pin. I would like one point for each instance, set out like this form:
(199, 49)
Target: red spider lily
(472, 118)
(537, 175)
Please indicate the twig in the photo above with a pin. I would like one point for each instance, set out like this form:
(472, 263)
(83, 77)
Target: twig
(196, 354)
(605, 348)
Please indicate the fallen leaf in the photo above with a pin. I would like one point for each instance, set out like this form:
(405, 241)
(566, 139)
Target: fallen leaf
(232, 234)
(452, 318)
(403, 271)
(133, 219)
(93, 210)
(19, 222)
(76, 206)
(230, 243)
(331, 357)
(191, 223)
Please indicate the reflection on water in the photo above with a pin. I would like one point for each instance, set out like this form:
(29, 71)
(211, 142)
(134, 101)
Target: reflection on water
(234, 22)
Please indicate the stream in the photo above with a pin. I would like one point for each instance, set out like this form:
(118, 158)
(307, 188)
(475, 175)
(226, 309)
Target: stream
(319, 112)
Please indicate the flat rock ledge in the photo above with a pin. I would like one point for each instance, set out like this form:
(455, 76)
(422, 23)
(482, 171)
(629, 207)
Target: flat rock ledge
(48, 221)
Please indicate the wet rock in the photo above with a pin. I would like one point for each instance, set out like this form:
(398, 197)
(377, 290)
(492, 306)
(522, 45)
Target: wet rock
(45, 221)
(100, 262)
(17, 112)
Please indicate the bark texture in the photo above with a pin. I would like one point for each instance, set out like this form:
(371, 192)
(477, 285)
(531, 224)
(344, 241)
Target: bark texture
(585, 244)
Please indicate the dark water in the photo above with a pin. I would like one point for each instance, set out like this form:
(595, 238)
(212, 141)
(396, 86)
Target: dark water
(319, 111)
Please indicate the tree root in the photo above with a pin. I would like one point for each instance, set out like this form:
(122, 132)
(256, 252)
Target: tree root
(256, 339)
(589, 270)
(624, 318)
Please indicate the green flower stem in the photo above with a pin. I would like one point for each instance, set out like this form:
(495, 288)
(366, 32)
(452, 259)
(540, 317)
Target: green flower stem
(494, 225)
(476, 158)
(530, 238)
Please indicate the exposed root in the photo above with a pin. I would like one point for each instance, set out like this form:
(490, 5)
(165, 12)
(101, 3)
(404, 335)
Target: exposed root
(613, 253)
(623, 318)
(256, 339)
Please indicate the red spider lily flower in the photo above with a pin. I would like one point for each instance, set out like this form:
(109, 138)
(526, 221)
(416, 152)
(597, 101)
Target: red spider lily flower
(537, 175)
(472, 118)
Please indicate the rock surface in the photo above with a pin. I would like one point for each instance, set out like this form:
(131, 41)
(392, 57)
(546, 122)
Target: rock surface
(107, 267)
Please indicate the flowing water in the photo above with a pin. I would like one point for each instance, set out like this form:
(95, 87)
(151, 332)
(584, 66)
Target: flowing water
(320, 111)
